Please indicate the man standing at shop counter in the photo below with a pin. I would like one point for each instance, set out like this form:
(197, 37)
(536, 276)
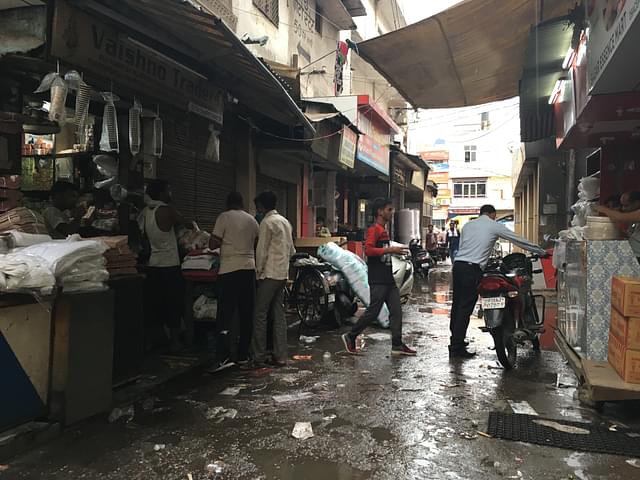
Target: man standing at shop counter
(235, 233)
(477, 240)
(273, 253)
(381, 282)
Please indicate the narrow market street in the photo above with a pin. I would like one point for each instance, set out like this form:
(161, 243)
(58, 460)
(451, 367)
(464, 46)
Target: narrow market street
(372, 416)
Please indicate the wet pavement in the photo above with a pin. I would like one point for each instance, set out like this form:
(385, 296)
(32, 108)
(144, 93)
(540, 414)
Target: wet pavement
(372, 416)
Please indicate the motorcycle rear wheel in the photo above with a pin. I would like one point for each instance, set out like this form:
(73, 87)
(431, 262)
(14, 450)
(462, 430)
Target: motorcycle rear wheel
(506, 347)
(308, 291)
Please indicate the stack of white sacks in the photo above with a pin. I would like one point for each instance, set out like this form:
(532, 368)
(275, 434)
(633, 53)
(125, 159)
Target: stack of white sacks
(74, 264)
(355, 269)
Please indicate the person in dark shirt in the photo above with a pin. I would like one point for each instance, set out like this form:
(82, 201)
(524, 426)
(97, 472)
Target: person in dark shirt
(381, 282)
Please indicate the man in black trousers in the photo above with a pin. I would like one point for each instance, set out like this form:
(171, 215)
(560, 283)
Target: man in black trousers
(477, 240)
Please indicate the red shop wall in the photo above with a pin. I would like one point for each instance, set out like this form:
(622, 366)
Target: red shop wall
(619, 170)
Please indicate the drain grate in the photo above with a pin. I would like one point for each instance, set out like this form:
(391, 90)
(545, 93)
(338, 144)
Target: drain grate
(563, 434)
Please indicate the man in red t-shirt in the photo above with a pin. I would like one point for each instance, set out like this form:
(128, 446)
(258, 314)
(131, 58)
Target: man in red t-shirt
(381, 282)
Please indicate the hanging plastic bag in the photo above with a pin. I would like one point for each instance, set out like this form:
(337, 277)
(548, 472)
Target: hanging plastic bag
(109, 141)
(135, 113)
(107, 166)
(83, 96)
(212, 152)
(58, 87)
(157, 135)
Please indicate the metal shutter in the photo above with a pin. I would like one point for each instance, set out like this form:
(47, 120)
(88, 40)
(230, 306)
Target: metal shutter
(199, 187)
(264, 183)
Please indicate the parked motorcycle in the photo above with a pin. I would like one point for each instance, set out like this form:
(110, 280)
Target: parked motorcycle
(422, 261)
(509, 307)
(443, 252)
(320, 292)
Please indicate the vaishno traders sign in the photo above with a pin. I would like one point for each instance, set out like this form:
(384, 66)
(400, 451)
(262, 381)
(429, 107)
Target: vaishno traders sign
(609, 22)
(88, 44)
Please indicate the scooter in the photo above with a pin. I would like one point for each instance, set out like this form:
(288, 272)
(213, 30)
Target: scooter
(402, 268)
(509, 307)
(422, 261)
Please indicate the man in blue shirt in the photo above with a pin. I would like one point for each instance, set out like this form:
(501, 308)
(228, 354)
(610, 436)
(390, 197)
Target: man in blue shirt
(477, 240)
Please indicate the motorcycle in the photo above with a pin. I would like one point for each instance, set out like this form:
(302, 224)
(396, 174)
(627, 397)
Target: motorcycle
(422, 261)
(320, 292)
(443, 251)
(509, 307)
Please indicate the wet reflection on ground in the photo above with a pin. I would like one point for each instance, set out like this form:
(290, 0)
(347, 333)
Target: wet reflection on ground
(372, 416)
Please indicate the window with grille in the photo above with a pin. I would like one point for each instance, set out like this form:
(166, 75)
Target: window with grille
(270, 8)
(485, 123)
(318, 21)
(470, 152)
(470, 189)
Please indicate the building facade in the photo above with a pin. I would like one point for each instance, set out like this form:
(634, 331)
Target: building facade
(470, 151)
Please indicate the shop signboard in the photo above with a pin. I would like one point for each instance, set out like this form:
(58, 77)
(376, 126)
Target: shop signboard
(94, 46)
(399, 176)
(437, 156)
(609, 21)
(439, 177)
(417, 179)
(348, 147)
(439, 167)
(373, 154)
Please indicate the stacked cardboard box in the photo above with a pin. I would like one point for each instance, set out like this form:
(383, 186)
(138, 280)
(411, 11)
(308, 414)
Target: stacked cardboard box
(624, 331)
(121, 260)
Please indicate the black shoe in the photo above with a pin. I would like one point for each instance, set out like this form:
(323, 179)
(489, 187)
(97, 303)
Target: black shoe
(462, 353)
(349, 344)
(220, 366)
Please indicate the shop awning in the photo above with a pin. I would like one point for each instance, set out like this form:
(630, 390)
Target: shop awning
(206, 39)
(336, 13)
(470, 54)
(355, 8)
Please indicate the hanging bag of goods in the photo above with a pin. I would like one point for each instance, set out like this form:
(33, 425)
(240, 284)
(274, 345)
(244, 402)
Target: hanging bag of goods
(109, 139)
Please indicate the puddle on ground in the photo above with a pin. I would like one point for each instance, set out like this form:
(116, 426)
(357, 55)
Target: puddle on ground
(381, 434)
(274, 464)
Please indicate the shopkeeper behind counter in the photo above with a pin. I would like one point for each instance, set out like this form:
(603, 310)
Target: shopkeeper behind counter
(630, 216)
(65, 216)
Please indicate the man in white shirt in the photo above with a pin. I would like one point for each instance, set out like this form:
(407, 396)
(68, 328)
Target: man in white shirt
(477, 240)
(273, 253)
(235, 233)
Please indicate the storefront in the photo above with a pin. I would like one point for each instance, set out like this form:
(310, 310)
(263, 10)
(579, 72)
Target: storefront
(153, 106)
(596, 122)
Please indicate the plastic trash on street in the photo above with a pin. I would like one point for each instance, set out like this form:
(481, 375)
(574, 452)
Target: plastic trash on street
(302, 431)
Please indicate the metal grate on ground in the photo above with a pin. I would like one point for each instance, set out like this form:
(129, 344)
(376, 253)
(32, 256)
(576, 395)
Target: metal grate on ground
(523, 428)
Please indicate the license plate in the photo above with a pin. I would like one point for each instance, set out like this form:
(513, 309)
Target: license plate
(331, 298)
(493, 302)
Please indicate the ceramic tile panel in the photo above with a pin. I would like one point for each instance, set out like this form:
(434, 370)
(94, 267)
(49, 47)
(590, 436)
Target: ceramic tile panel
(604, 258)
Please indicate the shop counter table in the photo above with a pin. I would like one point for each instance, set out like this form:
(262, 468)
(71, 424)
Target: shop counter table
(196, 283)
(25, 357)
(82, 369)
(128, 328)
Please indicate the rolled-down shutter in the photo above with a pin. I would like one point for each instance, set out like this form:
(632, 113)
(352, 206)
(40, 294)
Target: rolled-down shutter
(199, 187)
(264, 183)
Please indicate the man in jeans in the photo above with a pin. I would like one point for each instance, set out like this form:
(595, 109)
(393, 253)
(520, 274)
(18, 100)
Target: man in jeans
(235, 233)
(273, 253)
(381, 282)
